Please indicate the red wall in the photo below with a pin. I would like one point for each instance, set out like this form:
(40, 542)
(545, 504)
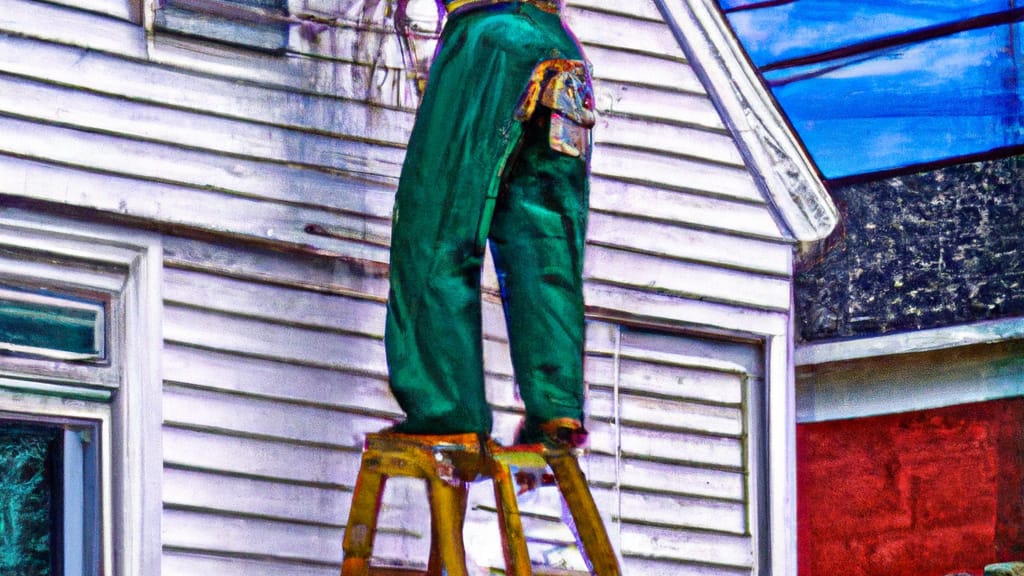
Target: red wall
(923, 493)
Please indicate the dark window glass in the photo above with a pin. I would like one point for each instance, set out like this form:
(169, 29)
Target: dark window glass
(29, 500)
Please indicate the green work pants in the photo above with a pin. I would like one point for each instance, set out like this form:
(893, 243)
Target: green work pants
(473, 172)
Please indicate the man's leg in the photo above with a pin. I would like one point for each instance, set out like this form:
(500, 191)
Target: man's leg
(537, 237)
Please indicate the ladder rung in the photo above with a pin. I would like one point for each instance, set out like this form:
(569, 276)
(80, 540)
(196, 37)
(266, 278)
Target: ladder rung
(389, 571)
(546, 571)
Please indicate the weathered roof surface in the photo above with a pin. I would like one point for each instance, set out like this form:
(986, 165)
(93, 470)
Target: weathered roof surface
(890, 86)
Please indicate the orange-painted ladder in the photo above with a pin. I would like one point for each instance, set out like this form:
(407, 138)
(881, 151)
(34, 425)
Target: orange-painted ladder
(448, 463)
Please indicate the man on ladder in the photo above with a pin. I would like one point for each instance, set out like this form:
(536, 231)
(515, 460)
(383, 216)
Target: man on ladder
(499, 154)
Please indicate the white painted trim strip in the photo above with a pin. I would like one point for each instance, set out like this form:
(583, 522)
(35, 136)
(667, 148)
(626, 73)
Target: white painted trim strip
(987, 332)
(55, 390)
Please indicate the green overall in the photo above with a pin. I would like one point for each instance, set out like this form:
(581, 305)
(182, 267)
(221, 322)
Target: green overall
(481, 166)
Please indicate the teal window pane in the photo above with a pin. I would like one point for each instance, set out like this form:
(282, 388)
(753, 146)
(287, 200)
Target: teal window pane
(29, 492)
(48, 325)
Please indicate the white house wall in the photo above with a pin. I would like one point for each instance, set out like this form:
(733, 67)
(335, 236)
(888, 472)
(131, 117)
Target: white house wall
(273, 360)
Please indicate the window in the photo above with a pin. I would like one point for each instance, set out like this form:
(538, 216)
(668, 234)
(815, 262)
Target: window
(49, 498)
(79, 399)
(260, 24)
(39, 324)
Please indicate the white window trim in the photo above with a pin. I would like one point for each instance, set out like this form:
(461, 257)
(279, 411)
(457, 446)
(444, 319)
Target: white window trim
(132, 454)
(930, 368)
(911, 342)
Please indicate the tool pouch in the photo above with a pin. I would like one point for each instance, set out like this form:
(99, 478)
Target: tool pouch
(564, 87)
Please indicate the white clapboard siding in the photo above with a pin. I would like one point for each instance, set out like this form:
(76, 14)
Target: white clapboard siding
(190, 174)
(313, 75)
(669, 452)
(277, 540)
(273, 340)
(121, 9)
(642, 70)
(339, 77)
(270, 379)
(114, 75)
(643, 271)
(673, 241)
(669, 510)
(347, 313)
(343, 275)
(100, 33)
(623, 100)
(140, 124)
(279, 500)
(176, 563)
(688, 141)
(169, 204)
(650, 202)
(638, 10)
(89, 122)
(670, 192)
(624, 32)
(655, 167)
(260, 418)
(667, 478)
(703, 383)
(260, 458)
(615, 300)
(655, 566)
(667, 414)
(269, 394)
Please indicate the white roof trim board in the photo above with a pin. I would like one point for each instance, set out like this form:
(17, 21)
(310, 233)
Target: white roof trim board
(774, 155)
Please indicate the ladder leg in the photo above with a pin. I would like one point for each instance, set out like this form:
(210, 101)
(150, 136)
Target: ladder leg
(362, 520)
(517, 557)
(573, 485)
(447, 516)
(435, 566)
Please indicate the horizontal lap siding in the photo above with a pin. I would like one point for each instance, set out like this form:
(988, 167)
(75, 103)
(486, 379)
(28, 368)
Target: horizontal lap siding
(678, 227)
(270, 388)
(668, 457)
(88, 119)
(698, 443)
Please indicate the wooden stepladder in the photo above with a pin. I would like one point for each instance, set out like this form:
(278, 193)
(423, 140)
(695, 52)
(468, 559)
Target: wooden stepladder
(448, 463)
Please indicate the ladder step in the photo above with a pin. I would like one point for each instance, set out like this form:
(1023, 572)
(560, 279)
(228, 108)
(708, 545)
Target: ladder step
(386, 571)
(448, 463)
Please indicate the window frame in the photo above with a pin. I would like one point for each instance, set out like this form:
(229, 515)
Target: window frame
(91, 417)
(122, 393)
(227, 10)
